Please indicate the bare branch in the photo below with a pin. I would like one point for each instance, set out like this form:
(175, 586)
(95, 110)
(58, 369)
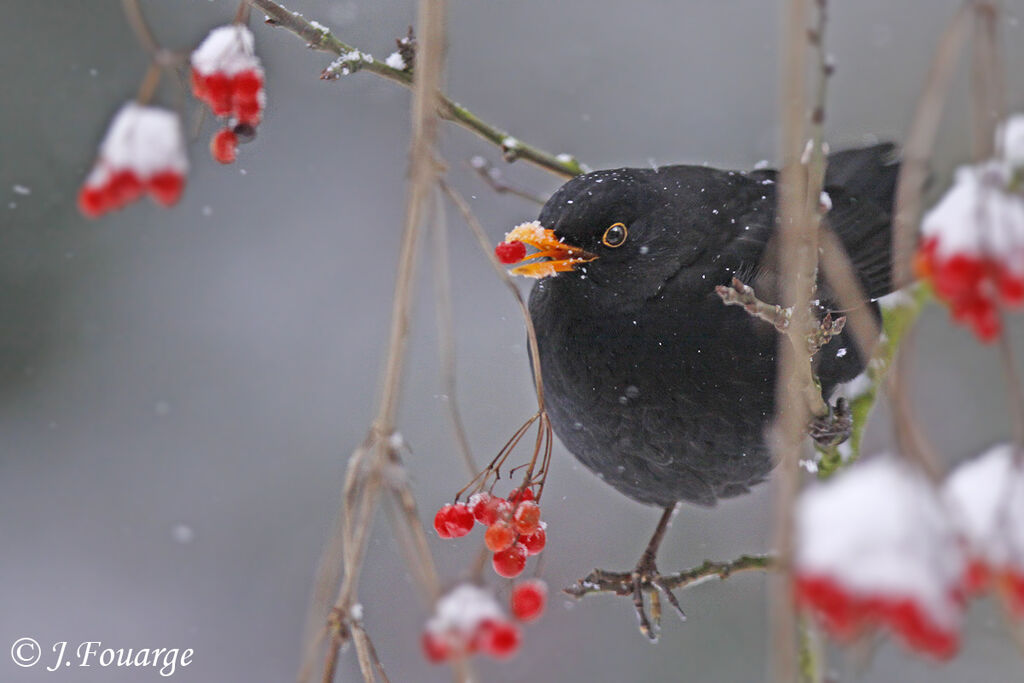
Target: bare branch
(621, 583)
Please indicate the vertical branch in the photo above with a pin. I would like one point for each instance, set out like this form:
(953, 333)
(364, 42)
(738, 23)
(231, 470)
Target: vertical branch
(797, 260)
(446, 340)
(376, 466)
(920, 141)
(987, 80)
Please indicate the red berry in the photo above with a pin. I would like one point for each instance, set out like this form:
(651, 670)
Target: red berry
(536, 541)
(492, 509)
(218, 90)
(510, 252)
(124, 187)
(527, 517)
(510, 562)
(500, 639)
(478, 506)
(166, 187)
(441, 521)
(224, 146)
(435, 647)
(248, 111)
(528, 600)
(453, 521)
(499, 536)
(460, 520)
(199, 88)
(92, 201)
(247, 84)
(519, 495)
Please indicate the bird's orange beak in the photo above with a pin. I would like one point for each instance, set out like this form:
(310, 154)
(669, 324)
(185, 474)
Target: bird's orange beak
(561, 256)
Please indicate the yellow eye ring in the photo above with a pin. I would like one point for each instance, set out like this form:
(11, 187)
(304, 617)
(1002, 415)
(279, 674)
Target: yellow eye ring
(615, 235)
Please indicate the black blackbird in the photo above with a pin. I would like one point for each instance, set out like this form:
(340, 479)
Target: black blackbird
(651, 381)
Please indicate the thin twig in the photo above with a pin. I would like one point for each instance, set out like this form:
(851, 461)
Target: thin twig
(143, 32)
(512, 148)
(491, 175)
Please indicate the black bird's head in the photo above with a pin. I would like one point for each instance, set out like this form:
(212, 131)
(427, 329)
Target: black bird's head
(613, 228)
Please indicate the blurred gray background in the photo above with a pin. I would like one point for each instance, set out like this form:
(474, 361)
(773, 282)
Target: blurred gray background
(180, 389)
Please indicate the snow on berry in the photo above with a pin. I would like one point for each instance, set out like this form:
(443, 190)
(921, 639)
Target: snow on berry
(465, 620)
(519, 495)
(985, 496)
(453, 521)
(972, 247)
(510, 252)
(529, 599)
(510, 562)
(143, 151)
(228, 76)
(876, 547)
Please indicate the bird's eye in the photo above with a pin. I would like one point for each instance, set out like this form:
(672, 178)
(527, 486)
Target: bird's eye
(614, 236)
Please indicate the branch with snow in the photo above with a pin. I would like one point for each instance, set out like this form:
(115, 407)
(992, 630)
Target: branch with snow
(398, 70)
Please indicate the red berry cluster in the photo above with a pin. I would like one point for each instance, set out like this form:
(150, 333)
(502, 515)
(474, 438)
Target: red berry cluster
(228, 77)
(496, 638)
(124, 187)
(510, 252)
(466, 621)
(143, 152)
(974, 286)
(239, 96)
(846, 614)
(514, 528)
(980, 577)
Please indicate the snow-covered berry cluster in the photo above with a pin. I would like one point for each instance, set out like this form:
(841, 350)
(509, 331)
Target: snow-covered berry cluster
(143, 152)
(972, 247)
(881, 546)
(228, 76)
(514, 528)
(468, 620)
(986, 500)
(875, 548)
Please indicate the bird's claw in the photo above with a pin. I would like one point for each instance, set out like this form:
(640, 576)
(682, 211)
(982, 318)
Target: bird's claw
(835, 427)
(645, 577)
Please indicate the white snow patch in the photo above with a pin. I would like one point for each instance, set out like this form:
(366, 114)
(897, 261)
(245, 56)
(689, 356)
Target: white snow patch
(1012, 140)
(228, 50)
(978, 216)
(986, 499)
(143, 139)
(22, 190)
(463, 609)
(395, 61)
(880, 529)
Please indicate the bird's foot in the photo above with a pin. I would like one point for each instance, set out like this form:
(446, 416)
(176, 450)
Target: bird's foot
(645, 578)
(835, 427)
